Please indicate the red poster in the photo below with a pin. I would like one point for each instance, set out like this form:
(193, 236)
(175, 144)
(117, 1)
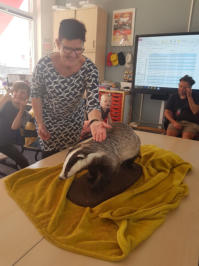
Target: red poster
(123, 27)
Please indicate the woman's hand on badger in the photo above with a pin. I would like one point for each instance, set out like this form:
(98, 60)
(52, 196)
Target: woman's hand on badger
(98, 130)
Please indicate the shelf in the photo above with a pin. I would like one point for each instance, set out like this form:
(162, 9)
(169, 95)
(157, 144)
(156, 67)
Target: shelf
(148, 129)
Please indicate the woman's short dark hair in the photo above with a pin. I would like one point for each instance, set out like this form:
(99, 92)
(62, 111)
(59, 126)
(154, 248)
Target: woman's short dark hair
(72, 29)
(188, 79)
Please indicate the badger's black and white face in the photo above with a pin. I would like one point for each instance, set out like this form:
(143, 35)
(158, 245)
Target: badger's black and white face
(77, 159)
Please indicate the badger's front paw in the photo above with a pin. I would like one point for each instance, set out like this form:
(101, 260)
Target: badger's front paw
(62, 177)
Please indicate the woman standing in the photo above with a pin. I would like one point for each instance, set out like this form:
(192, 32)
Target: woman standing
(59, 82)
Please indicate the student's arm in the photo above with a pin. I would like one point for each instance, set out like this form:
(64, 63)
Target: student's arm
(169, 115)
(109, 119)
(18, 119)
(37, 109)
(193, 106)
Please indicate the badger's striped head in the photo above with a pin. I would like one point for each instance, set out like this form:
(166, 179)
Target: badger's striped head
(77, 159)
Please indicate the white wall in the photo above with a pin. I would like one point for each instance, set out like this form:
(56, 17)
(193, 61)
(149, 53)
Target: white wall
(43, 30)
(152, 16)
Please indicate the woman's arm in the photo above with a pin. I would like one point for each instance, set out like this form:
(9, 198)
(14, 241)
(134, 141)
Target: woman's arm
(37, 91)
(97, 126)
(95, 114)
(37, 109)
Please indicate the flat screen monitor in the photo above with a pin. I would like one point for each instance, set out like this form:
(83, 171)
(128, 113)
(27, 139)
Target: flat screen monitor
(160, 60)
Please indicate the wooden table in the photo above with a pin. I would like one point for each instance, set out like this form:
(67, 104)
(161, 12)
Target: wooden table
(175, 243)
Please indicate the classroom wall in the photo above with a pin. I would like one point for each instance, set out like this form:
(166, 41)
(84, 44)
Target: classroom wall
(152, 16)
(42, 10)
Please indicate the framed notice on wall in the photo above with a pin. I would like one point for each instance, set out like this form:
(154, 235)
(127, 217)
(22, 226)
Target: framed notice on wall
(123, 27)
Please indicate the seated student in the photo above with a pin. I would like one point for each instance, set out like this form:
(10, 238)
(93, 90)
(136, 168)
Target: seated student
(105, 104)
(182, 111)
(12, 117)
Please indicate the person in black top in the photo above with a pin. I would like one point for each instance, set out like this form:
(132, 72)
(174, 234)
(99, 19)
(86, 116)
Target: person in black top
(182, 111)
(12, 117)
(59, 82)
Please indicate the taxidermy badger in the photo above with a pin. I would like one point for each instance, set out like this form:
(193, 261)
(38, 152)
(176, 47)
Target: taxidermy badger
(103, 159)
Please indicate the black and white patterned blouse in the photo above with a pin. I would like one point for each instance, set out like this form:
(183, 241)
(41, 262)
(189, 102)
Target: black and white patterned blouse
(62, 101)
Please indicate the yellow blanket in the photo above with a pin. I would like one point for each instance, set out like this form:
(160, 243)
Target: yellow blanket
(113, 228)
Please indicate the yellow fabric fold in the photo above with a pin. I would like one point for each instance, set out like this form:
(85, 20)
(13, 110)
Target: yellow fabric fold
(113, 228)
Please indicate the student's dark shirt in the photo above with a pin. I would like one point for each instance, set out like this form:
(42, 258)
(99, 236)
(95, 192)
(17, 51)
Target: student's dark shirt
(181, 110)
(7, 116)
(105, 114)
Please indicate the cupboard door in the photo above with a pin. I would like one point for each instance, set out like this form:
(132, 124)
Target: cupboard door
(95, 20)
(91, 56)
(98, 61)
(89, 17)
(58, 16)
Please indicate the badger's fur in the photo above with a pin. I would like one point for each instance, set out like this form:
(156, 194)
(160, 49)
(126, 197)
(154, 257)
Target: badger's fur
(102, 159)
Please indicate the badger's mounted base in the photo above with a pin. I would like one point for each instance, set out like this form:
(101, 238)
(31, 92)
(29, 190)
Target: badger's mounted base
(82, 194)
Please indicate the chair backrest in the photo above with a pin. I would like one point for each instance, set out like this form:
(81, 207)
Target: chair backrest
(165, 123)
(30, 132)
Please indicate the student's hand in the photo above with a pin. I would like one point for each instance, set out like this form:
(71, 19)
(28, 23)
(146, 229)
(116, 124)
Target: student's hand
(188, 92)
(43, 132)
(98, 130)
(8, 91)
(177, 125)
(8, 97)
(22, 104)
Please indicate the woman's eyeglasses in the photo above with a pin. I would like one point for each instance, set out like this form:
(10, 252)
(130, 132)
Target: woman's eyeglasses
(69, 50)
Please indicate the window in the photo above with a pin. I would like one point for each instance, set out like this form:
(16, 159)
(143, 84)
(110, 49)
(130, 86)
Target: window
(20, 4)
(16, 39)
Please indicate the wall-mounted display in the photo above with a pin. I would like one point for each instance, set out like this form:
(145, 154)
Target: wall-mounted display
(161, 59)
(123, 27)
